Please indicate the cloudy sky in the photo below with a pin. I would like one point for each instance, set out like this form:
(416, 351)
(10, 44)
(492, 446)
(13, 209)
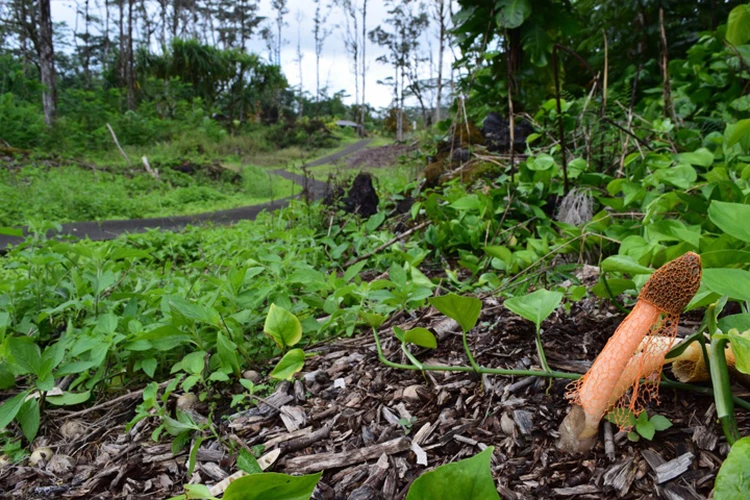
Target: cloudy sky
(335, 65)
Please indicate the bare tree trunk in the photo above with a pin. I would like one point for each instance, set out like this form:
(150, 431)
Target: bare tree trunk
(148, 24)
(107, 47)
(175, 17)
(87, 47)
(129, 66)
(350, 35)
(364, 67)
(163, 35)
(24, 38)
(47, 63)
(401, 107)
(441, 51)
(122, 56)
(317, 32)
(301, 105)
(397, 103)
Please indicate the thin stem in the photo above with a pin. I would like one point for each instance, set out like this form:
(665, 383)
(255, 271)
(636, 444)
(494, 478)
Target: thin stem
(540, 351)
(469, 369)
(722, 389)
(707, 391)
(670, 384)
(472, 362)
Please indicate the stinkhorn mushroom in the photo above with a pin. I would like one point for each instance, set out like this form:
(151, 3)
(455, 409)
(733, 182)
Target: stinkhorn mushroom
(629, 356)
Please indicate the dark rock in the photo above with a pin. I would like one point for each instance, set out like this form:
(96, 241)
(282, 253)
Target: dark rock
(460, 155)
(496, 131)
(361, 198)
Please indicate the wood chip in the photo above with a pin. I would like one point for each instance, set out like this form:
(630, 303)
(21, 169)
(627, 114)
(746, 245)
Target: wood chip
(705, 438)
(212, 470)
(420, 454)
(583, 489)
(303, 442)
(403, 412)
(299, 392)
(673, 468)
(424, 432)
(522, 418)
(609, 441)
(465, 440)
(653, 458)
(286, 437)
(293, 417)
(268, 459)
(676, 492)
(620, 476)
(323, 461)
(389, 416)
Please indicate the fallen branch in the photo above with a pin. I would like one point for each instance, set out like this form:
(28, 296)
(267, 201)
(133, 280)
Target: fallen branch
(151, 171)
(117, 143)
(387, 244)
(303, 442)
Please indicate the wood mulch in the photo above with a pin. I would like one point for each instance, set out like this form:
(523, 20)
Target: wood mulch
(374, 429)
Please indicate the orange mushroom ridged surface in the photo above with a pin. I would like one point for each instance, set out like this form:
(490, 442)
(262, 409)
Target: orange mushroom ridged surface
(630, 360)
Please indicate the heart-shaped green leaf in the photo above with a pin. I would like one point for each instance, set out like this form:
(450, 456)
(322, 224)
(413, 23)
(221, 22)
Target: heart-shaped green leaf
(291, 363)
(733, 481)
(421, 337)
(465, 310)
(282, 326)
(272, 485)
(468, 479)
(536, 306)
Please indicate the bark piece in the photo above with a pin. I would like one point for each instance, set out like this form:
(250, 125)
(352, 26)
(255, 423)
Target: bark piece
(620, 476)
(673, 468)
(323, 461)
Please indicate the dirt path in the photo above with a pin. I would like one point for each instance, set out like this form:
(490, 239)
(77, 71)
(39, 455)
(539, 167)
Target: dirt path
(110, 229)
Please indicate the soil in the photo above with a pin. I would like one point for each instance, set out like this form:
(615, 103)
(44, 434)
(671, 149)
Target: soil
(383, 156)
(372, 428)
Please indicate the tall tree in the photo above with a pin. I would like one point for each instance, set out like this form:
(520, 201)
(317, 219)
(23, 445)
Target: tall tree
(299, 16)
(129, 62)
(350, 35)
(440, 14)
(238, 20)
(280, 7)
(320, 32)
(364, 67)
(402, 43)
(46, 51)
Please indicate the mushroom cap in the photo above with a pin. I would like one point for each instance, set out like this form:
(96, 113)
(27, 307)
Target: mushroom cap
(674, 284)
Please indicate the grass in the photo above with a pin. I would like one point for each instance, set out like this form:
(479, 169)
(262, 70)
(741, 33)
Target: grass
(70, 193)
(113, 188)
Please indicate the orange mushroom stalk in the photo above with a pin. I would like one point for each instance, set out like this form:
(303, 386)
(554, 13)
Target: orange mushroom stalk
(630, 356)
